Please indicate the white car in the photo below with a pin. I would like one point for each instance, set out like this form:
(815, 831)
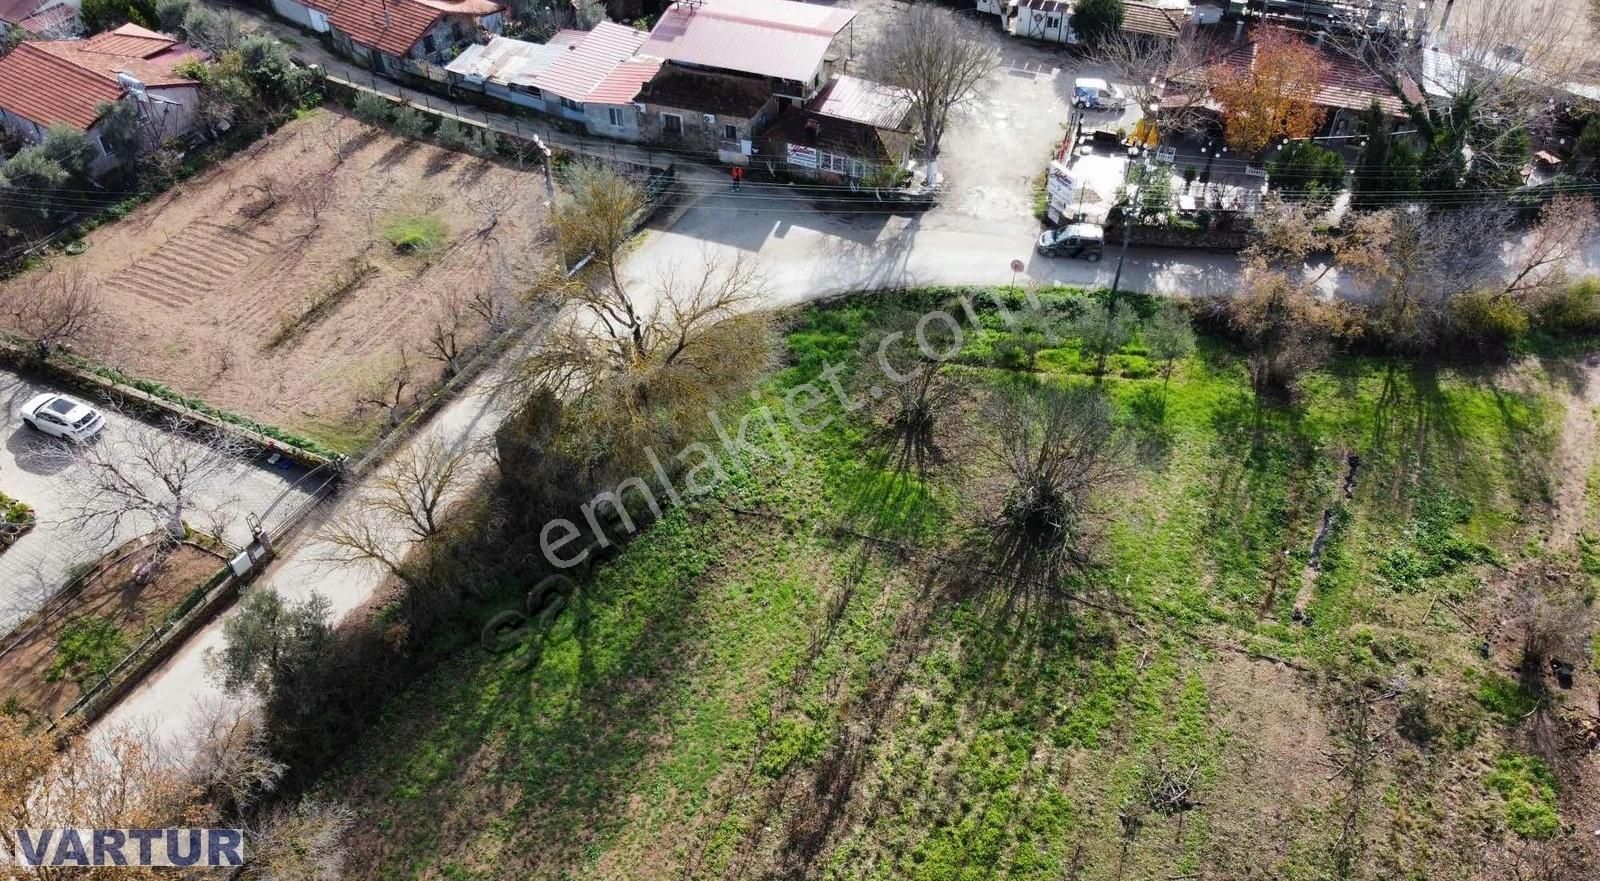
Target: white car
(63, 417)
(1096, 94)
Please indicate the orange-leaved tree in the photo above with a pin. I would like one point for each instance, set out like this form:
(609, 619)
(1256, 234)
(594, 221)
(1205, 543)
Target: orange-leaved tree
(1274, 96)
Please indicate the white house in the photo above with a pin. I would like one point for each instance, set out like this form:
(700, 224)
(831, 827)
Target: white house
(311, 14)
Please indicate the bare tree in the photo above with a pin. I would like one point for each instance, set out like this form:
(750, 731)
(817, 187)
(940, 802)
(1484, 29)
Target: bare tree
(387, 389)
(60, 309)
(1061, 449)
(938, 60)
(145, 474)
(904, 371)
(311, 194)
(1541, 264)
(120, 778)
(1165, 72)
(304, 842)
(227, 762)
(446, 340)
(594, 218)
(1417, 262)
(645, 376)
(400, 508)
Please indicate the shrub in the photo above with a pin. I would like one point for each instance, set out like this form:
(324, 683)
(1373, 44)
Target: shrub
(1505, 697)
(170, 13)
(1488, 319)
(451, 134)
(408, 122)
(1529, 790)
(1574, 309)
(488, 143)
(372, 108)
(87, 650)
(415, 233)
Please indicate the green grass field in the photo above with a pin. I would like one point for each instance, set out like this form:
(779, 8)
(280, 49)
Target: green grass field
(792, 678)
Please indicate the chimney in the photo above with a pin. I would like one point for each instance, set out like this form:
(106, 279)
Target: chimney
(1238, 30)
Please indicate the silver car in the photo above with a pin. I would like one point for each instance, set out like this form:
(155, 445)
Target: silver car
(63, 417)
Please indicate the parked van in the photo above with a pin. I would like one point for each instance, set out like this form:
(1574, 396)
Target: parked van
(1096, 94)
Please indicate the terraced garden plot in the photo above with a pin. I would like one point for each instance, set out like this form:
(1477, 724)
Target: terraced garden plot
(267, 285)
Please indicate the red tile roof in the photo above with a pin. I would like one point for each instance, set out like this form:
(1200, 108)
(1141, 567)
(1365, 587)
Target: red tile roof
(130, 40)
(65, 81)
(1346, 84)
(390, 26)
(777, 38)
(394, 26)
(588, 62)
(1143, 18)
(622, 85)
(46, 89)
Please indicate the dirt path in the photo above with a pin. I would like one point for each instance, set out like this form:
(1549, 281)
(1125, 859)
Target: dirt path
(1575, 455)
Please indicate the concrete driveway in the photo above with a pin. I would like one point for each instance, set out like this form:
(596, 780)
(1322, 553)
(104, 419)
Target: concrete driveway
(36, 566)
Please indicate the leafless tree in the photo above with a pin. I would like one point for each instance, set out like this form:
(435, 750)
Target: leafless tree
(447, 338)
(120, 778)
(1417, 262)
(594, 217)
(1165, 72)
(387, 389)
(60, 309)
(1061, 449)
(226, 761)
(311, 194)
(145, 474)
(1542, 262)
(493, 303)
(304, 842)
(400, 508)
(903, 370)
(643, 376)
(1555, 625)
(938, 60)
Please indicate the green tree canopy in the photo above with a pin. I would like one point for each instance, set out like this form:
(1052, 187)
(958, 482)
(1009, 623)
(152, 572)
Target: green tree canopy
(1303, 167)
(1094, 20)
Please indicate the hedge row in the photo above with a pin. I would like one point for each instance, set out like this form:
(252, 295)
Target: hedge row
(166, 393)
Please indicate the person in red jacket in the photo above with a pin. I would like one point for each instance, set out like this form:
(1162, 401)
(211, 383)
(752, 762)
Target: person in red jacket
(738, 176)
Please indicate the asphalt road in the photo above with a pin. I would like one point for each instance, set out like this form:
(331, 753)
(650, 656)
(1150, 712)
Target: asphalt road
(35, 567)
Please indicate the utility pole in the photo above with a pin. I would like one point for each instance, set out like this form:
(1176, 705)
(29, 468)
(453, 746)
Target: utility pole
(1128, 215)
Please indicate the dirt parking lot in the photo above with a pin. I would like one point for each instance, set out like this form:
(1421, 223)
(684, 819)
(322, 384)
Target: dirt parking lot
(270, 284)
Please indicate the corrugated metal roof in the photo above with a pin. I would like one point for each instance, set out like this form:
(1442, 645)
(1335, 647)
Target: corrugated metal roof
(777, 38)
(46, 21)
(504, 60)
(622, 85)
(859, 100)
(14, 11)
(587, 62)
